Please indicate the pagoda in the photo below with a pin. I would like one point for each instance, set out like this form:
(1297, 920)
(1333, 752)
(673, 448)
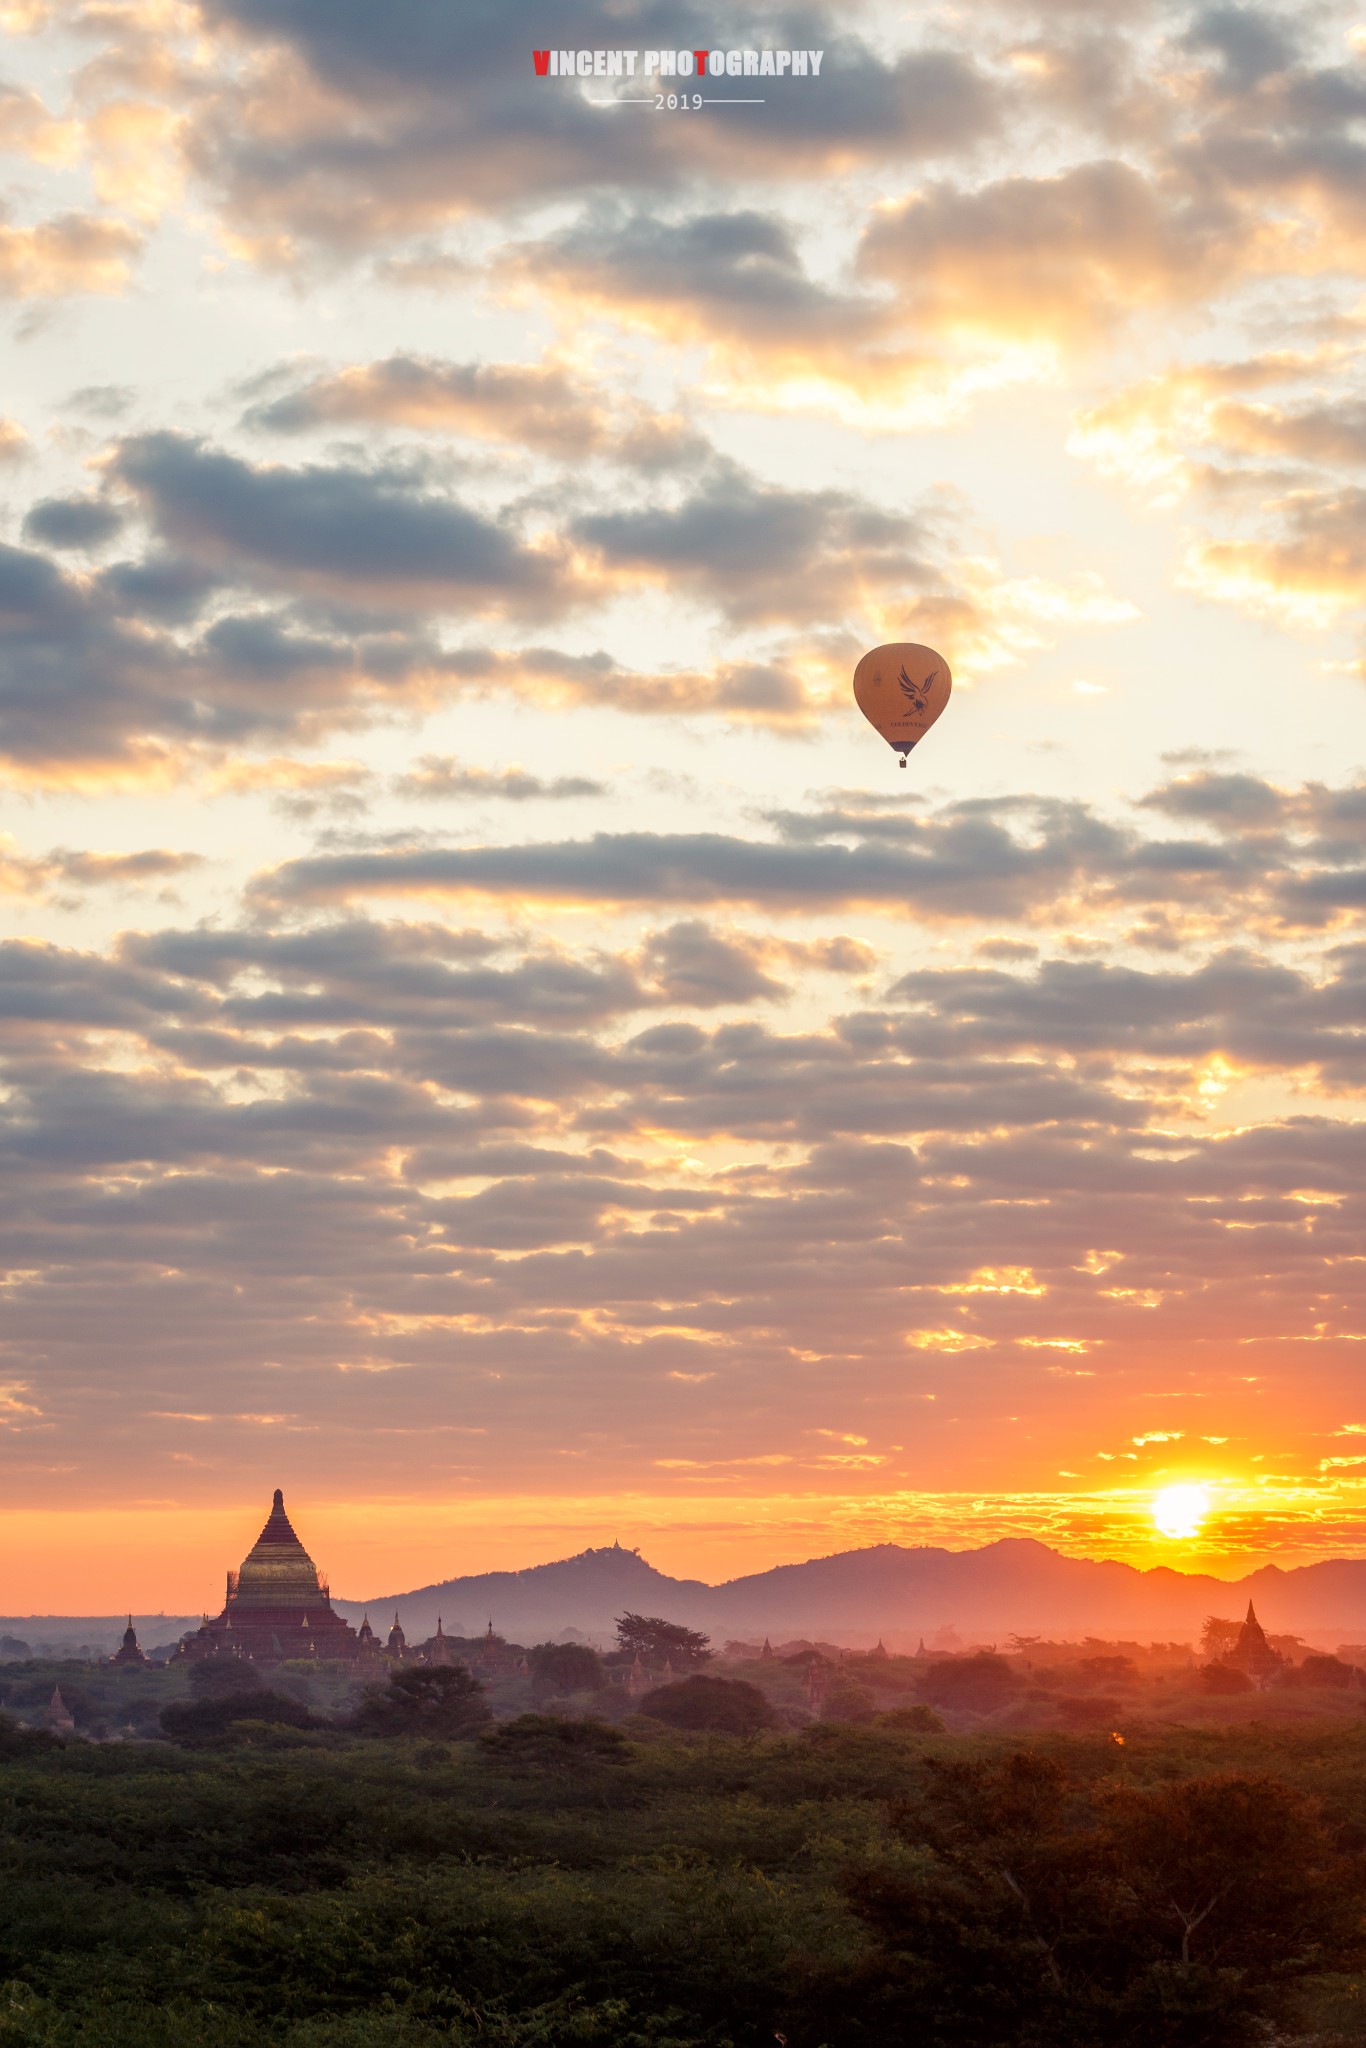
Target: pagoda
(1252, 1653)
(129, 1651)
(276, 1606)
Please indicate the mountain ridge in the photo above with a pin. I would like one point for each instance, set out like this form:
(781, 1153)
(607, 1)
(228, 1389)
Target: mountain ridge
(895, 1591)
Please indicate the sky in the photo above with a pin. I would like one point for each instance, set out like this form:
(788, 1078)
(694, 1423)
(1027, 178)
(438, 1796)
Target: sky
(493, 1043)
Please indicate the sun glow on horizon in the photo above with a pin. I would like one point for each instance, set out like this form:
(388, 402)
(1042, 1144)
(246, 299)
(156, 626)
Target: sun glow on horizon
(1180, 1511)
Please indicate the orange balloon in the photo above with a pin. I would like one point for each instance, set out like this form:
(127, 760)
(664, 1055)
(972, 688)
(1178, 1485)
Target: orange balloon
(901, 689)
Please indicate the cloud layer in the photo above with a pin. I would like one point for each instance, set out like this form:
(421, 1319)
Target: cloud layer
(481, 1020)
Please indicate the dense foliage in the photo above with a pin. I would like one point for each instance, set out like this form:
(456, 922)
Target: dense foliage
(720, 1706)
(556, 1880)
(564, 1669)
(657, 1641)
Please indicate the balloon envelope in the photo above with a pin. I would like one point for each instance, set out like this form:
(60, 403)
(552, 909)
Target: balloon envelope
(901, 689)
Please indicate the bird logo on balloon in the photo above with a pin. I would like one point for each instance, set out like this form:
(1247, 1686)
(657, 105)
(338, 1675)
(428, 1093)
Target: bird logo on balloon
(916, 691)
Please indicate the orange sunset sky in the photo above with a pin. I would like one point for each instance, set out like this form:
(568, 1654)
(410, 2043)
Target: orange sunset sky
(492, 1042)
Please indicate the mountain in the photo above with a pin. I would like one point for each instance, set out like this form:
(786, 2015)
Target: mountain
(891, 1591)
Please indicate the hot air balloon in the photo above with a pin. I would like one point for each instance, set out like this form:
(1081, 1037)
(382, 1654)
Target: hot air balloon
(901, 689)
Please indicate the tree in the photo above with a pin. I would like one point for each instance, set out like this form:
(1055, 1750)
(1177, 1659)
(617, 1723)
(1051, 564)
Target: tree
(547, 1742)
(981, 1682)
(1326, 1672)
(657, 1642)
(718, 1706)
(847, 1700)
(212, 1717)
(566, 1667)
(1040, 1910)
(1237, 1869)
(439, 1700)
(1106, 1670)
(212, 1677)
(1224, 1678)
(919, 1720)
(1218, 1637)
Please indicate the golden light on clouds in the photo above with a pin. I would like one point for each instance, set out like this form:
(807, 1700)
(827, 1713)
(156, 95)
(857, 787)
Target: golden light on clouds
(483, 1023)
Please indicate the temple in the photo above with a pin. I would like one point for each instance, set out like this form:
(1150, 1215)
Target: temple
(129, 1651)
(1252, 1653)
(277, 1607)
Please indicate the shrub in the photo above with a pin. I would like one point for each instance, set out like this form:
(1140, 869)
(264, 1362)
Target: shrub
(719, 1706)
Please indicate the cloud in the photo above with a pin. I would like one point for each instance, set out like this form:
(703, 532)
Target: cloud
(72, 253)
(442, 776)
(764, 553)
(333, 137)
(274, 602)
(66, 869)
(1268, 448)
(977, 860)
(542, 406)
(733, 279)
(669, 1146)
(699, 967)
(72, 522)
(340, 530)
(1054, 260)
(946, 1149)
(1308, 571)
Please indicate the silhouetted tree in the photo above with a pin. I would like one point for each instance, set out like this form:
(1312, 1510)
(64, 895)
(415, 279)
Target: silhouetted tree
(1218, 1636)
(443, 1700)
(566, 1667)
(655, 1641)
(981, 1682)
(719, 1706)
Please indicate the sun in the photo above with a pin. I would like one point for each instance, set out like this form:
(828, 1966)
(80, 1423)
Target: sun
(1179, 1510)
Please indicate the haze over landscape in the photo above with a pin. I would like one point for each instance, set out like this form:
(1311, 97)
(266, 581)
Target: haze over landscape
(492, 1042)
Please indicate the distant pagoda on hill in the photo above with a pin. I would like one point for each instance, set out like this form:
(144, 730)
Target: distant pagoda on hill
(277, 1606)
